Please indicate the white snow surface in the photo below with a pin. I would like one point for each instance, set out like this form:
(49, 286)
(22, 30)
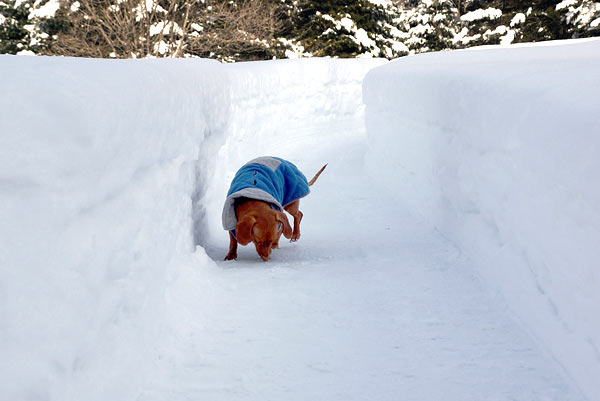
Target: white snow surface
(48, 9)
(490, 13)
(503, 161)
(448, 250)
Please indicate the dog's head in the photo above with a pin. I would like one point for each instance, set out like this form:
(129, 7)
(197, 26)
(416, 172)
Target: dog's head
(264, 230)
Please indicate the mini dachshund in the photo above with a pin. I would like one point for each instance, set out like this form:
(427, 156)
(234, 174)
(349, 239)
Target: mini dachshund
(253, 212)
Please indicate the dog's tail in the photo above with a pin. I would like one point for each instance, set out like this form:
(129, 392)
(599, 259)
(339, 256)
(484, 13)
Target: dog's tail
(316, 176)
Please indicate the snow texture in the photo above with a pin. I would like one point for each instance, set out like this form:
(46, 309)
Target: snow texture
(114, 173)
(95, 182)
(490, 13)
(494, 150)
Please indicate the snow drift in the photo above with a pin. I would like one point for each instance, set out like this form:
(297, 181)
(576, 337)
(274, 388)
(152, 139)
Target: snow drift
(95, 184)
(499, 148)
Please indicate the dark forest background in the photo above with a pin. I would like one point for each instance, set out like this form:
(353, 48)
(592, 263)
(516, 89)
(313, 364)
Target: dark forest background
(240, 30)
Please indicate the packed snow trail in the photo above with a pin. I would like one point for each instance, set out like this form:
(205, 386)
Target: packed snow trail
(370, 304)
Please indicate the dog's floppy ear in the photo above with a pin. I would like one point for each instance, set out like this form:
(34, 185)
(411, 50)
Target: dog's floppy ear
(243, 229)
(287, 229)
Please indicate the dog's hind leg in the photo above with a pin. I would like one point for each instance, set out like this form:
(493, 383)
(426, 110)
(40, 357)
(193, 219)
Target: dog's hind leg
(232, 254)
(294, 209)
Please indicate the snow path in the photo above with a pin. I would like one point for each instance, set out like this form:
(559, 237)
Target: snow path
(370, 304)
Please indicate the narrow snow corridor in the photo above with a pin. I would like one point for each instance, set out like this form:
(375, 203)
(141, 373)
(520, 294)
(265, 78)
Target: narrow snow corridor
(370, 304)
(448, 252)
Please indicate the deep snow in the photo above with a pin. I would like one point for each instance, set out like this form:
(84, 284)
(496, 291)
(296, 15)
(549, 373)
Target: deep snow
(103, 296)
(501, 153)
(97, 162)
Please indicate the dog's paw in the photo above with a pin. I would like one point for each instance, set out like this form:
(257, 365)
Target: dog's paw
(231, 256)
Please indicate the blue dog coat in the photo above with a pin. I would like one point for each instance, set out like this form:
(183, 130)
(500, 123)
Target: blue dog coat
(270, 179)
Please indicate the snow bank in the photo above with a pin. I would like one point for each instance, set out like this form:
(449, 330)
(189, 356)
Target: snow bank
(499, 148)
(98, 164)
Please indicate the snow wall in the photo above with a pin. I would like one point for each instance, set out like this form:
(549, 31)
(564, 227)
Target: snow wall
(500, 150)
(98, 165)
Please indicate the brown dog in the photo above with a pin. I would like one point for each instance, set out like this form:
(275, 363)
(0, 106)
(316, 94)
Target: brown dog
(260, 222)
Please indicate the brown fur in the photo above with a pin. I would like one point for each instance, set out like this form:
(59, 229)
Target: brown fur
(263, 226)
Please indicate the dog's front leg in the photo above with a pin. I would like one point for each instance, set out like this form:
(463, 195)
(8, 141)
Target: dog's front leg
(232, 254)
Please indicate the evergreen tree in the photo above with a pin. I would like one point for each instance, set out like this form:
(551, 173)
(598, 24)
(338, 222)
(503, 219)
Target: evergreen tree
(23, 29)
(429, 25)
(580, 18)
(14, 37)
(235, 30)
(342, 28)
